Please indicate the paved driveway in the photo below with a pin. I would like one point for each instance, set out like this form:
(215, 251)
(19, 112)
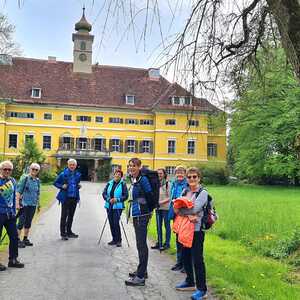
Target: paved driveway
(79, 268)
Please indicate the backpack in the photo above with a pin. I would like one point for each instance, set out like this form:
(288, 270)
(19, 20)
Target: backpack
(154, 182)
(209, 212)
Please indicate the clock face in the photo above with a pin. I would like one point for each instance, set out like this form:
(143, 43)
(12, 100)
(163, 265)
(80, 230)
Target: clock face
(82, 57)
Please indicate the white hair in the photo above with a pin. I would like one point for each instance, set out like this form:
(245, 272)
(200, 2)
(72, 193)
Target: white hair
(72, 161)
(6, 163)
(35, 166)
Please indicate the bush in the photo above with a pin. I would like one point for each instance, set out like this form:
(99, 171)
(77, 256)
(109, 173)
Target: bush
(214, 174)
(47, 176)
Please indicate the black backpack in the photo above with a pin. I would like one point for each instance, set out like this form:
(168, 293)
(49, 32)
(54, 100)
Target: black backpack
(155, 185)
(209, 212)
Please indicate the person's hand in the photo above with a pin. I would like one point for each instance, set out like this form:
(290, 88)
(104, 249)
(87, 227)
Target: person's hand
(113, 200)
(17, 205)
(79, 186)
(38, 208)
(176, 211)
(64, 186)
(193, 218)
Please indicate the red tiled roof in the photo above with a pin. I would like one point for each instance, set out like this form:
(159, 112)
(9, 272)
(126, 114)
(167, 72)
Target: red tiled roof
(105, 87)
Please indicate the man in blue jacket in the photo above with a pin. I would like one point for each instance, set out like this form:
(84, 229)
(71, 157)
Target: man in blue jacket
(68, 181)
(141, 194)
(8, 213)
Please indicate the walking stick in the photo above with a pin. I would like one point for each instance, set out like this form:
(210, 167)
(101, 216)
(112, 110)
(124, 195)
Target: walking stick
(125, 233)
(102, 230)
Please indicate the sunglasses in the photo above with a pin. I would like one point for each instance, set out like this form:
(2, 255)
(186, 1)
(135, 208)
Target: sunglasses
(7, 170)
(194, 176)
(35, 170)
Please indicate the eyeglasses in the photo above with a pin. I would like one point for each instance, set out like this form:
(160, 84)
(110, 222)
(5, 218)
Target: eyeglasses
(7, 169)
(35, 170)
(194, 176)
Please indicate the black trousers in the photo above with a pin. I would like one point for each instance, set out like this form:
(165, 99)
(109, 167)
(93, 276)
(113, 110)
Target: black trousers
(9, 223)
(114, 223)
(193, 261)
(26, 216)
(67, 213)
(140, 227)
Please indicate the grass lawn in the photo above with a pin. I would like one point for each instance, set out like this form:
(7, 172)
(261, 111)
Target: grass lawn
(47, 196)
(256, 224)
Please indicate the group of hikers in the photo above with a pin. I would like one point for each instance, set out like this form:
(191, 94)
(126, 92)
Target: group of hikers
(179, 200)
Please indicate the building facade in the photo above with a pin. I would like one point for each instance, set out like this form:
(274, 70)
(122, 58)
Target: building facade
(100, 114)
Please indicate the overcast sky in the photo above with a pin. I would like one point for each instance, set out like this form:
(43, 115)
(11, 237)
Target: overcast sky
(44, 28)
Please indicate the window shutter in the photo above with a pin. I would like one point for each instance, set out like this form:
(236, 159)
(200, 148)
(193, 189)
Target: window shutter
(121, 120)
(126, 121)
(151, 146)
(72, 141)
(141, 147)
(92, 144)
(103, 145)
(126, 146)
(110, 145)
(61, 139)
(121, 146)
(136, 146)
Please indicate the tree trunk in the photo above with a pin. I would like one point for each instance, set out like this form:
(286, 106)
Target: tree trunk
(287, 16)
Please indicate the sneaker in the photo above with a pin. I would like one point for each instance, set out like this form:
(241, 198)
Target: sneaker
(135, 281)
(156, 246)
(119, 244)
(177, 267)
(111, 243)
(184, 286)
(14, 263)
(27, 242)
(166, 247)
(2, 268)
(198, 295)
(21, 244)
(72, 235)
(182, 271)
(64, 237)
(133, 274)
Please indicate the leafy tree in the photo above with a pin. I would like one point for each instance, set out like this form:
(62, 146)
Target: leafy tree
(30, 153)
(265, 127)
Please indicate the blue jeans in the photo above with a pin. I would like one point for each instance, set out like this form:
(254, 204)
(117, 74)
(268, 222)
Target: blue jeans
(9, 222)
(163, 216)
(114, 223)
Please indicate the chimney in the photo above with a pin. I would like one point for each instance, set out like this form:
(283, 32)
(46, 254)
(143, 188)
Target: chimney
(5, 59)
(51, 59)
(154, 74)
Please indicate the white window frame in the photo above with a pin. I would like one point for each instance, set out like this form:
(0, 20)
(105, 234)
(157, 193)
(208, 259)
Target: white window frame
(191, 148)
(115, 147)
(212, 152)
(13, 133)
(33, 90)
(101, 117)
(68, 116)
(169, 123)
(47, 135)
(170, 170)
(130, 99)
(131, 148)
(181, 100)
(50, 114)
(146, 148)
(169, 147)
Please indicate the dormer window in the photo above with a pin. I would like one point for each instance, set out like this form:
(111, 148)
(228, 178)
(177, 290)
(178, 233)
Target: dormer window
(36, 93)
(184, 100)
(130, 99)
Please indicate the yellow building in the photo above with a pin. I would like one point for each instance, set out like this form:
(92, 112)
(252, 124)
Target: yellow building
(97, 113)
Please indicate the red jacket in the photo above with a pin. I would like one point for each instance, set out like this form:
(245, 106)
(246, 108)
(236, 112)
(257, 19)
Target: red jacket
(182, 224)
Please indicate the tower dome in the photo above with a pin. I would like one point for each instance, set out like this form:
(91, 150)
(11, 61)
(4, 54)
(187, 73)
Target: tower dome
(83, 24)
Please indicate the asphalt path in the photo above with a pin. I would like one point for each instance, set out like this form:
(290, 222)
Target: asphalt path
(81, 269)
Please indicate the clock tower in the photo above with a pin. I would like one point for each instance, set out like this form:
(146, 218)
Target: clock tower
(83, 46)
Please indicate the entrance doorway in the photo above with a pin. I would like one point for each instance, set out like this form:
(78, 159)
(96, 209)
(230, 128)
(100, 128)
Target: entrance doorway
(86, 167)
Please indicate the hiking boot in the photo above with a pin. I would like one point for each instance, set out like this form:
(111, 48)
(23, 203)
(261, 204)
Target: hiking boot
(135, 281)
(198, 295)
(72, 235)
(185, 286)
(2, 268)
(14, 263)
(119, 244)
(156, 246)
(133, 274)
(111, 243)
(177, 267)
(182, 271)
(64, 237)
(27, 242)
(21, 244)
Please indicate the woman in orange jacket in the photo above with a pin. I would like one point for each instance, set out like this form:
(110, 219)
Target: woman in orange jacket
(193, 257)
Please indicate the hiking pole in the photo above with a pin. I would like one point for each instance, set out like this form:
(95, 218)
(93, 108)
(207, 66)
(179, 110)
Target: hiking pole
(125, 233)
(159, 233)
(102, 231)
